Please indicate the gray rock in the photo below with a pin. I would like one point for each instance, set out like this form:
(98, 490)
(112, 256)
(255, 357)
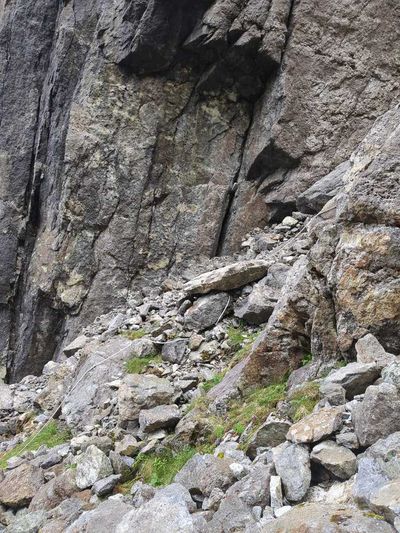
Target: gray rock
(91, 466)
(292, 464)
(376, 416)
(162, 416)
(105, 517)
(82, 442)
(20, 485)
(334, 393)
(122, 465)
(346, 437)
(370, 350)
(127, 446)
(76, 345)
(141, 493)
(106, 485)
(338, 460)
(206, 311)
(175, 351)
(203, 473)
(227, 278)
(139, 392)
(257, 307)
(317, 426)
(276, 492)
(143, 348)
(391, 374)
(386, 500)
(27, 523)
(270, 434)
(354, 377)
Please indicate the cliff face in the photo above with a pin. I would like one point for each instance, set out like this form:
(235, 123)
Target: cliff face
(136, 135)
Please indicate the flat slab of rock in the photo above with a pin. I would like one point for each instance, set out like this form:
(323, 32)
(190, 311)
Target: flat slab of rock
(316, 426)
(354, 377)
(227, 278)
(20, 485)
(377, 416)
(139, 392)
(206, 311)
(76, 345)
(91, 466)
(292, 464)
(338, 460)
(160, 417)
(321, 518)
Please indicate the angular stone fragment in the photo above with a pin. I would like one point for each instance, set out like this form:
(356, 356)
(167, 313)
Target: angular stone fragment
(370, 350)
(391, 374)
(106, 485)
(354, 377)
(127, 446)
(292, 464)
(162, 416)
(76, 345)
(227, 278)
(377, 416)
(386, 500)
(105, 517)
(206, 311)
(143, 348)
(258, 306)
(270, 434)
(91, 466)
(276, 492)
(20, 485)
(174, 351)
(54, 492)
(139, 392)
(27, 523)
(339, 460)
(316, 426)
(122, 465)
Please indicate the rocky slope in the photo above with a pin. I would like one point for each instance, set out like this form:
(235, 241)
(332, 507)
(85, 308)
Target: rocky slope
(200, 267)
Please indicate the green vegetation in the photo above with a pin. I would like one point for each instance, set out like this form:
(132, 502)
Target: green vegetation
(241, 343)
(50, 436)
(160, 469)
(209, 384)
(134, 334)
(136, 365)
(375, 516)
(303, 400)
(239, 428)
(306, 359)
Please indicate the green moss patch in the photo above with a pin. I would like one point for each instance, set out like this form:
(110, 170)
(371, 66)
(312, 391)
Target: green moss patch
(136, 365)
(303, 400)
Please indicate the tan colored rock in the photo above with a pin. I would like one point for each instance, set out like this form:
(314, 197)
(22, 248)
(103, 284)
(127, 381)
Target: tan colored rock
(227, 278)
(20, 485)
(316, 426)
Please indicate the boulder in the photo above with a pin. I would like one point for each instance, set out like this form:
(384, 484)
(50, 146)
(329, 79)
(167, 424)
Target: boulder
(76, 345)
(206, 311)
(27, 522)
(20, 485)
(143, 348)
(229, 277)
(321, 518)
(127, 446)
(292, 464)
(162, 416)
(391, 374)
(370, 350)
(203, 473)
(174, 351)
(317, 426)
(122, 465)
(91, 466)
(377, 416)
(276, 492)
(338, 460)
(270, 434)
(354, 377)
(54, 492)
(139, 392)
(333, 393)
(386, 500)
(257, 307)
(106, 485)
(104, 518)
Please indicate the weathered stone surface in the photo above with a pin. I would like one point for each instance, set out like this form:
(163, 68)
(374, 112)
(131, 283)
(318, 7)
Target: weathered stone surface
(162, 416)
(106, 485)
(142, 348)
(391, 374)
(54, 492)
(313, 517)
(104, 518)
(121, 465)
(75, 345)
(175, 351)
(292, 464)
(20, 485)
(258, 306)
(128, 446)
(27, 523)
(370, 350)
(376, 416)
(354, 377)
(339, 460)
(139, 392)
(227, 278)
(206, 311)
(270, 434)
(316, 426)
(276, 492)
(91, 466)
(202, 473)
(386, 500)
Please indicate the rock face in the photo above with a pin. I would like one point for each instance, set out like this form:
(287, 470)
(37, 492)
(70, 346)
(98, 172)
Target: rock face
(165, 94)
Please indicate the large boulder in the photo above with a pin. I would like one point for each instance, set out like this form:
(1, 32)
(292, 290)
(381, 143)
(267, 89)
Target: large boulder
(354, 377)
(139, 392)
(54, 492)
(91, 466)
(292, 464)
(386, 500)
(175, 351)
(270, 434)
(370, 350)
(206, 311)
(338, 460)
(317, 426)
(162, 416)
(20, 485)
(377, 416)
(105, 517)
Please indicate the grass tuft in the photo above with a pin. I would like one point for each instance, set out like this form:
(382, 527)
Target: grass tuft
(303, 400)
(136, 365)
(134, 334)
(209, 384)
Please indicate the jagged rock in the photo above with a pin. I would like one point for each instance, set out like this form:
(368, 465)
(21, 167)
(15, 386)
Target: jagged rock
(386, 501)
(333, 393)
(312, 517)
(27, 523)
(106, 485)
(232, 515)
(336, 459)
(82, 442)
(346, 437)
(227, 278)
(206, 311)
(162, 416)
(212, 502)
(91, 466)
(76, 345)
(377, 466)
(370, 350)
(391, 374)
(270, 434)
(139, 392)
(122, 465)
(6, 397)
(142, 348)
(20, 485)
(354, 377)
(292, 464)
(377, 415)
(202, 473)
(316, 426)
(175, 351)
(104, 518)
(258, 306)
(54, 492)
(276, 492)
(315, 197)
(141, 493)
(127, 446)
